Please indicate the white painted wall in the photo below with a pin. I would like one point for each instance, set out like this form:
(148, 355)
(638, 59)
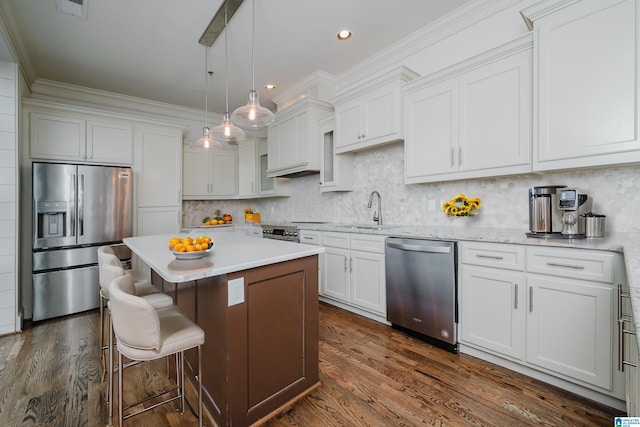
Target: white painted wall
(8, 198)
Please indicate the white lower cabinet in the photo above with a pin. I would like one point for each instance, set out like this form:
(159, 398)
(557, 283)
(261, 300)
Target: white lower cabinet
(493, 309)
(629, 357)
(336, 274)
(569, 328)
(547, 309)
(314, 237)
(353, 271)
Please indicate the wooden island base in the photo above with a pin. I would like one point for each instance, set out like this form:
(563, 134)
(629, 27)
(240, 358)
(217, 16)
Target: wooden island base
(260, 355)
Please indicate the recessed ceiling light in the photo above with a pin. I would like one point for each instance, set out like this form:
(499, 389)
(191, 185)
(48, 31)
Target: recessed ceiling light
(344, 34)
(269, 86)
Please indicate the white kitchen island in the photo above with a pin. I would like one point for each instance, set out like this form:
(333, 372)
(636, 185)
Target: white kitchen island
(257, 301)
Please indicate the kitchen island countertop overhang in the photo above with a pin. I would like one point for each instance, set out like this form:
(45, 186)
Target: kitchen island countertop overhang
(231, 252)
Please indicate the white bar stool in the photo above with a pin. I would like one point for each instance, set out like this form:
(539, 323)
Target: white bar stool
(144, 333)
(111, 268)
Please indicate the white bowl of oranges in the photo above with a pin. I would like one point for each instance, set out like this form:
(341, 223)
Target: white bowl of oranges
(190, 247)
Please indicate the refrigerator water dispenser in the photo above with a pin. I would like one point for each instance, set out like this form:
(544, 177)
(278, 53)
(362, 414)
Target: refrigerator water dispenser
(51, 219)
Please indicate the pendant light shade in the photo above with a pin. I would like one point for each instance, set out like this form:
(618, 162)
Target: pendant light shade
(252, 115)
(226, 131)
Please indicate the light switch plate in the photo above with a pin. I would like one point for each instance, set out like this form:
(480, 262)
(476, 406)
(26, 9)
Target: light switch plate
(235, 291)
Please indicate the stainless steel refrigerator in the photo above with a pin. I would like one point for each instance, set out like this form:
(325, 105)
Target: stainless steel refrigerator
(76, 209)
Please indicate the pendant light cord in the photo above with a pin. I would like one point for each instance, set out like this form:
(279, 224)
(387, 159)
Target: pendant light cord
(226, 59)
(253, 44)
(206, 90)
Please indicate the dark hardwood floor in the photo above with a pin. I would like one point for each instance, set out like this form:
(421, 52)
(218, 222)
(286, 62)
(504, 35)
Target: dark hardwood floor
(372, 375)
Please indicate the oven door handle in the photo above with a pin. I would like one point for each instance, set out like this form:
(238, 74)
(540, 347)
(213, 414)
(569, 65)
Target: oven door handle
(419, 248)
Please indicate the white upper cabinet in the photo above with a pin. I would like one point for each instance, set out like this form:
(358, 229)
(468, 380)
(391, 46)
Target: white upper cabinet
(293, 138)
(336, 173)
(253, 181)
(109, 142)
(371, 114)
(247, 169)
(471, 120)
(79, 138)
(209, 173)
(586, 89)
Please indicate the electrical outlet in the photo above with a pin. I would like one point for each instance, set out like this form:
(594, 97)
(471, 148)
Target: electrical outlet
(431, 207)
(235, 291)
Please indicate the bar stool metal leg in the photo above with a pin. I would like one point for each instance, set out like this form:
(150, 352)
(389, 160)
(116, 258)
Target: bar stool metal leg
(120, 387)
(181, 384)
(110, 380)
(200, 414)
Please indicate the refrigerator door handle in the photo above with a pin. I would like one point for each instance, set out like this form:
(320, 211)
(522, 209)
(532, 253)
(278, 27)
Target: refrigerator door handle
(81, 207)
(72, 206)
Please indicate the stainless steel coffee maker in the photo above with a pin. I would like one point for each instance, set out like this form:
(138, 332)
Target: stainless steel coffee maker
(545, 217)
(574, 205)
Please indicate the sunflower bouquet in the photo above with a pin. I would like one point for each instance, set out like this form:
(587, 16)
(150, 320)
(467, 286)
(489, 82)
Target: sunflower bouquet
(461, 205)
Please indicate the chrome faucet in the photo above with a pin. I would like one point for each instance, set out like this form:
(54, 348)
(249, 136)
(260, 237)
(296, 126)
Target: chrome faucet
(377, 215)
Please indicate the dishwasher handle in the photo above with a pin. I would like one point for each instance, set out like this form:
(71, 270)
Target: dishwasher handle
(420, 248)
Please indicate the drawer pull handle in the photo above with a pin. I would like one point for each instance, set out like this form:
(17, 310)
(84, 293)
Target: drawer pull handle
(490, 256)
(556, 264)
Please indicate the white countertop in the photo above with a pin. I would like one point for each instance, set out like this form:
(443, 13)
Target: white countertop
(231, 252)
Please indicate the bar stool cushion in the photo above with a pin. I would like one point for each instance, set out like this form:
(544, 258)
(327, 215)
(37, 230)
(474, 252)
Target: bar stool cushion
(145, 333)
(108, 273)
(106, 255)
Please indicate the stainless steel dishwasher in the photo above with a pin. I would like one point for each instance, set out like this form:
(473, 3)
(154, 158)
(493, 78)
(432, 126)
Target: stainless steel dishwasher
(422, 289)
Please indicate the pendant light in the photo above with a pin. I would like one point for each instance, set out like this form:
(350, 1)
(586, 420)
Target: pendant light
(226, 131)
(252, 115)
(207, 141)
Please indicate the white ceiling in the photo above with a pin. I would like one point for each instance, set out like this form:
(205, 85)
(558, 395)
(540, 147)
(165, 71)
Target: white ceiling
(150, 49)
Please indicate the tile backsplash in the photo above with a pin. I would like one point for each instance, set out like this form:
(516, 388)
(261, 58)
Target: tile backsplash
(504, 199)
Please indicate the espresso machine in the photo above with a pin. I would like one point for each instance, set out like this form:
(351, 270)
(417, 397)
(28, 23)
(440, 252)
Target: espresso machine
(574, 205)
(545, 217)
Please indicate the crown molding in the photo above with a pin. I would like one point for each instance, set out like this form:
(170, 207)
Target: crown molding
(95, 98)
(318, 84)
(44, 105)
(15, 43)
(394, 74)
(459, 19)
(519, 44)
(541, 9)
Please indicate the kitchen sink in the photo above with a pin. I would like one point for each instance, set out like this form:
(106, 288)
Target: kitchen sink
(366, 226)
